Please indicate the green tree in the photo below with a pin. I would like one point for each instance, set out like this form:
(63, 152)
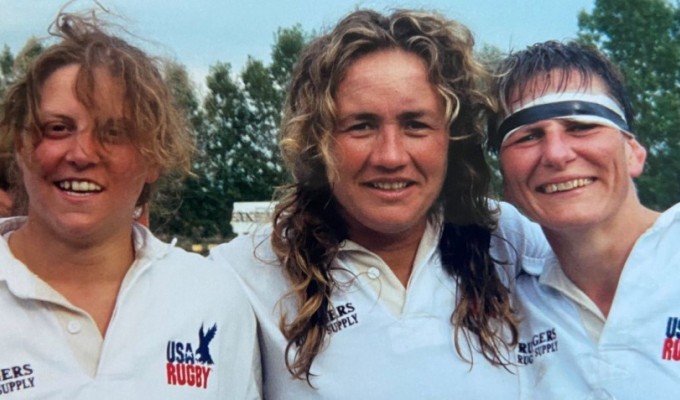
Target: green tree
(11, 67)
(239, 140)
(491, 56)
(643, 39)
(176, 208)
(26, 55)
(6, 69)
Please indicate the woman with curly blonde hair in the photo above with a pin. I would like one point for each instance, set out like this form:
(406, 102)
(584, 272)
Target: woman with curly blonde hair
(377, 280)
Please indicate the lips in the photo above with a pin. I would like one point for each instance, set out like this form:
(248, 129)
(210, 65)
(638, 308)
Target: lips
(78, 186)
(565, 186)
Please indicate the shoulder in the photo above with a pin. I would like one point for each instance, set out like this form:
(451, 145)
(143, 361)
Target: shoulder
(518, 232)
(253, 261)
(176, 270)
(511, 219)
(244, 251)
(661, 239)
(669, 219)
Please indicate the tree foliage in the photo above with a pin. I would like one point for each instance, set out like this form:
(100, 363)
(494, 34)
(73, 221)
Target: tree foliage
(643, 39)
(175, 206)
(6, 69)
(236, 129)
(491, 56)
(12, 67)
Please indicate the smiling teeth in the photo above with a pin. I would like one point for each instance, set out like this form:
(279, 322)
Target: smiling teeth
(390, 185)
(80, 186)
(563, 186)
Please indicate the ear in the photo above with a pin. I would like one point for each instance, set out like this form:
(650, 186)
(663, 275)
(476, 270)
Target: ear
(636, 156)
(152, 174)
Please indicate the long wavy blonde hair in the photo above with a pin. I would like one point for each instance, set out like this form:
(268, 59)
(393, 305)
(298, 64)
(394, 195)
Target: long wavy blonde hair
(308, 229)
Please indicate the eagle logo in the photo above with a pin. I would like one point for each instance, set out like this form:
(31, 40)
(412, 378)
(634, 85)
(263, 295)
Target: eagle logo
(204, 340)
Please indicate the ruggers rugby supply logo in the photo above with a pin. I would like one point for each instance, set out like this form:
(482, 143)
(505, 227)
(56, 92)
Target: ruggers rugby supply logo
(189, 365)
(17, 378)
(341, 317)
(540, 344)
(671, 344)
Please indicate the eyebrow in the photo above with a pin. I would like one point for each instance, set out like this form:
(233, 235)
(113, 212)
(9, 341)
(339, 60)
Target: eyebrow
(43, 115)
(360, 116)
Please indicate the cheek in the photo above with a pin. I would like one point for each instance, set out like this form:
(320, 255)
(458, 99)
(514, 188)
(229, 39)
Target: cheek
(512, 173)
(348, 157)
(508, 193)
(128, 163)
(30, 164)
(435, 155)
(44, 157)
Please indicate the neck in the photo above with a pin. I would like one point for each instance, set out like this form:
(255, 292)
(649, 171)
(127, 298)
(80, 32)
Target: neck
(594, 257)
(88, 275)
(398, 251)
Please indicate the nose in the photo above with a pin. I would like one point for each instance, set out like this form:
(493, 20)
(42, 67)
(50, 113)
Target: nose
(389, 149)
(84, 149)
(557, 149)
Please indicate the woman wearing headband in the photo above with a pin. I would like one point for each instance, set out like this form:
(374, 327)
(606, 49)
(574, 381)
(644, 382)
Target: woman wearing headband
(600, 318)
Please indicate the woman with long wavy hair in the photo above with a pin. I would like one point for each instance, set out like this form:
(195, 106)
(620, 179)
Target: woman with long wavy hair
(382, 276)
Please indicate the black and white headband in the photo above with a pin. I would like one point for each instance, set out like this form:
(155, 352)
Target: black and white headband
(574, 106)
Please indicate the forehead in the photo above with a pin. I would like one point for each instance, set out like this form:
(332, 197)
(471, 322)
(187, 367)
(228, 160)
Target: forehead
(384, 64)
(387, 80)
(555, 81)
(97, 90)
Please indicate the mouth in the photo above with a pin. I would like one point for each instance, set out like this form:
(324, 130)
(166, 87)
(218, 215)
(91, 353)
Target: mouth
(389, 185)
(79, 187)
(565, 186)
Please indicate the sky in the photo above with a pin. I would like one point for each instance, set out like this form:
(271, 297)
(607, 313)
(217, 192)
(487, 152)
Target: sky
(200, 33)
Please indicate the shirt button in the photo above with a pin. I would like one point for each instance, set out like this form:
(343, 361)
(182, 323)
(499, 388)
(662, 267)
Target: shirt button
(373, 273)
(73, 326)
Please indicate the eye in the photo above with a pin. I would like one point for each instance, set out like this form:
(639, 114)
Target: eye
(526, 136)
(113, 132)
(113, 136)
(57, 129)
(417, 126)
(359, 129)
(581, 128)
(362, 126)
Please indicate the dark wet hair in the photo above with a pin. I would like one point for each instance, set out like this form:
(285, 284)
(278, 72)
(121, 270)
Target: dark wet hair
(516, 73)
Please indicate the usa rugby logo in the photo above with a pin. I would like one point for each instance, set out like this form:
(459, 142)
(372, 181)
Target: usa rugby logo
(186, 367)
(671, 344)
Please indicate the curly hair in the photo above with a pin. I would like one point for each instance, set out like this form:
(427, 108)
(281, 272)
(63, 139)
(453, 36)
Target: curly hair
(153, 123)
(308, 229)
(516, 73)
